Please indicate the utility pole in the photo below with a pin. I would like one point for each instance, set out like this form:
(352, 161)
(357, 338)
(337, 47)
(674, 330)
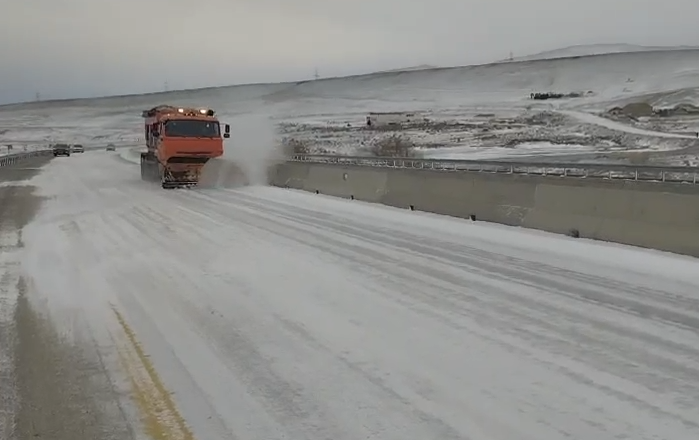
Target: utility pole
(166, 87)
(38, 96)
(511, 56)
(316, 75)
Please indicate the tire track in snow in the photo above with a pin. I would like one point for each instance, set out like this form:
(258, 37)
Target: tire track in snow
(272, 315)
(284, 400)
(285, 230)
(603, 346)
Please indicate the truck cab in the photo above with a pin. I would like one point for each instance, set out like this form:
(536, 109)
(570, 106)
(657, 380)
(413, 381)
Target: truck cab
(180, 141)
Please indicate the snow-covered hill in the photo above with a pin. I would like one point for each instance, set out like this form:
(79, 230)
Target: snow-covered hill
(596, 49)
(495, 91)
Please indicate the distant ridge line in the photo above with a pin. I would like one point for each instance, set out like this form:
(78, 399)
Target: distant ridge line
(580, 50)
(410, 70)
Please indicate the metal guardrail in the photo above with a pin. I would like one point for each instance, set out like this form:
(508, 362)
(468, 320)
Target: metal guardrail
(12, 159)
(559, 169)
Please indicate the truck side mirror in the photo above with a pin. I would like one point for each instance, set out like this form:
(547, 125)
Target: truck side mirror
(226, 131)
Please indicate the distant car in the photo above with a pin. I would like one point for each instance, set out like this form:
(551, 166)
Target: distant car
(111, 147)
(61, 150)
(78, 148)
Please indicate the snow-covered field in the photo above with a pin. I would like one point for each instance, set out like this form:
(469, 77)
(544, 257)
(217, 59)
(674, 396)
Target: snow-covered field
(271, 313)
(486, 107)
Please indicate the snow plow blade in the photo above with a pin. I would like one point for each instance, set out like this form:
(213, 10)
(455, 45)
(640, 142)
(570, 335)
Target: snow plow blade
(175, 184)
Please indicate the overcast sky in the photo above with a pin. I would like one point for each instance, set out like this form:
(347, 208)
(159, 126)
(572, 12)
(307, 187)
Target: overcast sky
(80, 48)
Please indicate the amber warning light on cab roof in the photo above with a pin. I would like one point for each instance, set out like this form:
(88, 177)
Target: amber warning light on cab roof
(182, 111)
(203, 111)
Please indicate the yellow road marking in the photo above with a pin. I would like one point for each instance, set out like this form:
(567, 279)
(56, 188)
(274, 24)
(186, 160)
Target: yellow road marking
(161, 419)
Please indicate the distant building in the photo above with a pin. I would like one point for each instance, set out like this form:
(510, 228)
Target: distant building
(638, 109)
(634, 110)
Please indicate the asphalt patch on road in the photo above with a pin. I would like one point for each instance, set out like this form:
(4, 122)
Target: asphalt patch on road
(50, 387)
(64, 390)
(24, 170)
(18, 205)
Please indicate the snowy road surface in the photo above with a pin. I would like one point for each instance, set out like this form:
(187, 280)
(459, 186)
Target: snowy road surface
(263, 313)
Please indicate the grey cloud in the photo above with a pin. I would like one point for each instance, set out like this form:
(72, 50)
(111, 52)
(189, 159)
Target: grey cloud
(92, 47)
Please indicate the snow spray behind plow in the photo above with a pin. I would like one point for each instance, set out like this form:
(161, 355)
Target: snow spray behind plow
(247, 156)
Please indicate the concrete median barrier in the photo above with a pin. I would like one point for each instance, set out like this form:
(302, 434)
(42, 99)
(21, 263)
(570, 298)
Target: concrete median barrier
(22, 158)
(663, 216)
(22, 166)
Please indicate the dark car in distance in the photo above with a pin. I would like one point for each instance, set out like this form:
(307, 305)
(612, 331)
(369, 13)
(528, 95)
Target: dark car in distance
(61, 150)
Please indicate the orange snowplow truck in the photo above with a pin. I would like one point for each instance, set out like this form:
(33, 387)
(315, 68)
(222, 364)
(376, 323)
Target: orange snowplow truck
(180, 141)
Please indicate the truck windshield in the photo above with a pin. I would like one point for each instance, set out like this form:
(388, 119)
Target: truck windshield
(186, 128)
